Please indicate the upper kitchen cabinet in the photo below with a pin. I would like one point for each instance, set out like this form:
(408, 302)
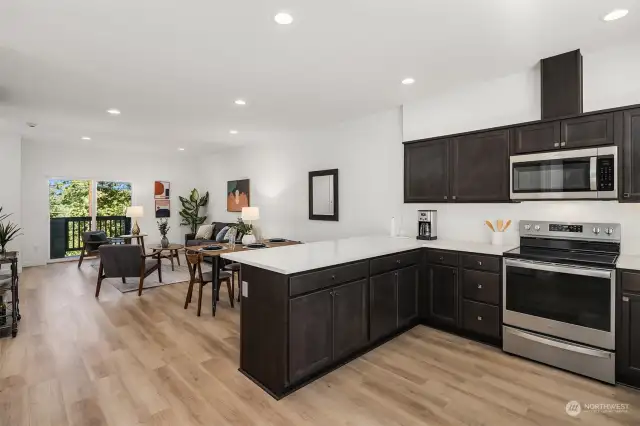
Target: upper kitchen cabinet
(583, 132)
(426, 171)
(480, 167)
(631, 155)
(536, 137)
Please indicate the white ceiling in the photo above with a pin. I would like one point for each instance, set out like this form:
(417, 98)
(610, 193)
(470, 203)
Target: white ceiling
(174, 67)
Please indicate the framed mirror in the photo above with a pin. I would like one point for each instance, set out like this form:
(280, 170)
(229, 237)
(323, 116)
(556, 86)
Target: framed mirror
(323, 195)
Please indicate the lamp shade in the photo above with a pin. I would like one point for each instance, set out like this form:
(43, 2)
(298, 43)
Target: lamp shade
(250, 213)
(135, 211)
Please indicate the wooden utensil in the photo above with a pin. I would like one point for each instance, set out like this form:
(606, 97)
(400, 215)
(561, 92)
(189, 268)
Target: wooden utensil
(506, 225)
(490, 225)
(500, 223)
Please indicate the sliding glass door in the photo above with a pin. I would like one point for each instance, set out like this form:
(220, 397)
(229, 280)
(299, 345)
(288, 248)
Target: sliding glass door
(78, 206)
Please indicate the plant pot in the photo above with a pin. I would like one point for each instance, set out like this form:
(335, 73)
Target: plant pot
(248, 239)
(164, 242)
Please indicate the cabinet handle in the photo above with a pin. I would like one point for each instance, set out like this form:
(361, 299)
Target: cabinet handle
(335, 293)
(563, 144)
(454, 197)
(333, 277)
(480, 286)
(625, 299)
(398, 261)
(479, 318)
(441, 258)
(479, 263)
(625, 195)
(556, 144)
(445, 197)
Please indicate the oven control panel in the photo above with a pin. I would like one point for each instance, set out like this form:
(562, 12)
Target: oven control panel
(571, 230)
(557, 227)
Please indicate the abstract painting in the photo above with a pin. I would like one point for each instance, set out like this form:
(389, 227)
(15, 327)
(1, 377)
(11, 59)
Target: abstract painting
(163, 208)
(162, 190)
(237, 195)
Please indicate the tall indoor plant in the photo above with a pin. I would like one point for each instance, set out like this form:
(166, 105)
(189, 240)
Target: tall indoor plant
(8, 232)
(190, 212)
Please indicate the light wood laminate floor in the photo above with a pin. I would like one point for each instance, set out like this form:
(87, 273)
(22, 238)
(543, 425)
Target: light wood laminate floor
(128, 360)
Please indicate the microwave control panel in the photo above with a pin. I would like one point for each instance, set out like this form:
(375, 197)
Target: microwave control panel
(605, 174)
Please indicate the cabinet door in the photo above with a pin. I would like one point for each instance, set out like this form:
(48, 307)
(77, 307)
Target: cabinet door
(383, 305)
(426, 171)
(407, 295)
(480, 167)
(310, 334)
(628, 345)
(536, 138)
(443, 297)
(592, 130)
(631, 155)
(349, 318)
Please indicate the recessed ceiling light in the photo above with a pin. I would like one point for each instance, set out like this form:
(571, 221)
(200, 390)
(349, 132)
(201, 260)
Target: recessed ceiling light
(86, 138)
(615, 14)
(407, 81)
(240, 102)
(180, 149)
(233, 132)
(113, 111)
(283, 18)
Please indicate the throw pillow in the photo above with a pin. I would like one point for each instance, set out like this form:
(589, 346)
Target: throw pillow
(204, 232)
(221, 234)
(98, 236)
(231, 233)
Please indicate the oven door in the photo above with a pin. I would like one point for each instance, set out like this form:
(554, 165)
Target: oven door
(571, 302)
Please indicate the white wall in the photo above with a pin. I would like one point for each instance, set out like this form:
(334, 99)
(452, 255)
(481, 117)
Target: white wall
(368, 152)
(41, 162)
(10, 182)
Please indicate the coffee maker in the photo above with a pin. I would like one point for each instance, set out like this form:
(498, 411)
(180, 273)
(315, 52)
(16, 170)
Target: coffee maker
(427, 225)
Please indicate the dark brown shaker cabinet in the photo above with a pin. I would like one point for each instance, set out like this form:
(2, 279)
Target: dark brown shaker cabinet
(631, 155)
(536, 137)
(443, 294)
(583, 132)
(310, 334)
(383, 305)
(407, 295)
(480, 167)
(628, 345)
(349, 318)
(426, 171)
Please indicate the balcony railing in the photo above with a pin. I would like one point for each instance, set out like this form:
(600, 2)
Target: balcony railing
(66, 232)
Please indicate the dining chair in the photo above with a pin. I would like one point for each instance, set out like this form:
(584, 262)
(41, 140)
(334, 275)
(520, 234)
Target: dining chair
(234, 268)
(120, 261)
(194, 263)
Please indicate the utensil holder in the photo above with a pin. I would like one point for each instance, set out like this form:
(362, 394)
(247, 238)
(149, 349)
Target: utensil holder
(497, 238)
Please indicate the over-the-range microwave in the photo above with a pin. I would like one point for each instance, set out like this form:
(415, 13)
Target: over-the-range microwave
(568, 174)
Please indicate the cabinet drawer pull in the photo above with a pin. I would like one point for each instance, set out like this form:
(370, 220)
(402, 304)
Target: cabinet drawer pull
(563, 144)
(479, 318)
(454, 197)
(625, 299)
(556, 144)
(333, 277)
(335, 293)
(445, 197)
(398, 261)
(625, 195)
(479, 263)
(480, 286)
(441, 258)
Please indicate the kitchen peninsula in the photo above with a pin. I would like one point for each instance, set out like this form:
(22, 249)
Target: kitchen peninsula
(310, 308)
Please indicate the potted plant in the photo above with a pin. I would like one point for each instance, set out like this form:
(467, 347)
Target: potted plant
(191, 209)
(246, 230)
(163, 227)
(8, 232)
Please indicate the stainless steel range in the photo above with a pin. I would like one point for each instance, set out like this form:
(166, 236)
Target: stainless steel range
(559, 296)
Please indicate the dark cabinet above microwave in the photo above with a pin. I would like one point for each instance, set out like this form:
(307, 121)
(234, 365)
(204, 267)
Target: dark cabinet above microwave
(580, 132)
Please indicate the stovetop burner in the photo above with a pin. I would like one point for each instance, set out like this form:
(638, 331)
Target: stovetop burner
(588, 244)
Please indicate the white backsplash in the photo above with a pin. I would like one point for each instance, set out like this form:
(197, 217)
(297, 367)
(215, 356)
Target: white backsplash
(465, 222)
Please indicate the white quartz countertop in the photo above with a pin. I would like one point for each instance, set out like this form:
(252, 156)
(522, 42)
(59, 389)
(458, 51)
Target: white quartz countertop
(305, 257)
(628, 261)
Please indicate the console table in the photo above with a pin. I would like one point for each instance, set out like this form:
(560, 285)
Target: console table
(9, 315)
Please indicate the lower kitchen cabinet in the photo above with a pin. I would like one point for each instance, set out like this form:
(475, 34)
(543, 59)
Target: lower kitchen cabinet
(349, 318)
(443, 294)
(383, 305)
(407, 295)
(628, 341)
(310, 334)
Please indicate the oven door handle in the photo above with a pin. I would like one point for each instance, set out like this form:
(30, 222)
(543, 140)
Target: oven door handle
(593, 173)
(552, 267)
(559, 344)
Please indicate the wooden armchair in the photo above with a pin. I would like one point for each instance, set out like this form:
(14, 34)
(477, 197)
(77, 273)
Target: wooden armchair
(92, 241)
(120, 261)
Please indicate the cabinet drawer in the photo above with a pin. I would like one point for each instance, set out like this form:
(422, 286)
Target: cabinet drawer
(394, 261)
(480, 262)
(321, 279)
(481, 318)
(442, 257)
(630, 282)
(481, 286)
